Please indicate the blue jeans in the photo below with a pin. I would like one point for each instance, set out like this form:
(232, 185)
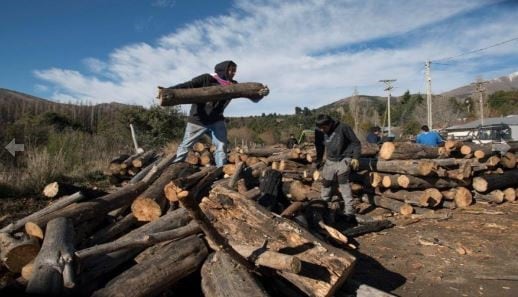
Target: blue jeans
(193, 133)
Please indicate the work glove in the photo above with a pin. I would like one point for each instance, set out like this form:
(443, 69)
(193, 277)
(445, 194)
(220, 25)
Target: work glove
(355, 164)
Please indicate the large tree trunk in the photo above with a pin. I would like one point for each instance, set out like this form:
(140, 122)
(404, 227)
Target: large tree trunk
(52, 267)
(324, 268)
(406, 151)
(171, 263)
(169, 97)
(487, 183)
(112, 231)
(221, 276)
(16, 252)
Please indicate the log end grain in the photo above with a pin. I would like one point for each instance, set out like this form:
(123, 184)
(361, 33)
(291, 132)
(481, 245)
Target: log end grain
(146, 209)
(406, 209)
(386, 150)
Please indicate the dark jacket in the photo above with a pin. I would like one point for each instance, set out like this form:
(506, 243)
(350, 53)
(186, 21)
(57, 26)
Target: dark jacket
(209, 112)
(373, 138)
(291, 142)
(340, 143)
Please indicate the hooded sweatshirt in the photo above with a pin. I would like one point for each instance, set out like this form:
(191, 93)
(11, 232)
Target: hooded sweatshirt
(209, 112)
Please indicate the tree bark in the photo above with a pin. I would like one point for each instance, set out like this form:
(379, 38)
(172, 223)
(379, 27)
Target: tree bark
(415, 182)
(55, 189)
(406, 150)
(412, 167)
(96, 266)
(391, 204)
(324, 268)
(170, 97)
(112, 231)
(428, 198)
(171, 263)
(495, 196)
(270, 259)
(17, 251)
(221, 276)
(53, 265)
(488, 183)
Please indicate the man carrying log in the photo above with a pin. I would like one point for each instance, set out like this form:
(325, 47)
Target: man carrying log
(342, 154)
(208, 117)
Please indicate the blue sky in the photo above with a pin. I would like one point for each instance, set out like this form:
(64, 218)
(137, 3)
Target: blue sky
(309, 53)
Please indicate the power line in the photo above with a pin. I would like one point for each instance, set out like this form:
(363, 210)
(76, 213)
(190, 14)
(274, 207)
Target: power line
(477, 50)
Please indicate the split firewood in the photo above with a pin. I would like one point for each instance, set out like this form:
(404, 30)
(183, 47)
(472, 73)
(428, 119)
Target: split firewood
(222, 276)
(17, 250)
(173, 262)
(53, 269)
(406, 150)
(169, 97)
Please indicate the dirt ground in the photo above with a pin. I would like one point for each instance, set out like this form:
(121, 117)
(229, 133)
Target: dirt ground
(445, 257)
(429, 257)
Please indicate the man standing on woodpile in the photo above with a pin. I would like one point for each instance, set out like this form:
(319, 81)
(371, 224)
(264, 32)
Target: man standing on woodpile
(291, 141)
(342, 154)
(428, 138)
(374, 135)
(208, 117)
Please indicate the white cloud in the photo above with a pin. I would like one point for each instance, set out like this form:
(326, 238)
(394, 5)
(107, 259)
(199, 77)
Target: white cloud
(95, 65)
(309, 53)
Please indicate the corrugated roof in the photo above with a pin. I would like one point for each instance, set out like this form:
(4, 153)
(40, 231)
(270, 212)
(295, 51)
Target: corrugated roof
(509, 120)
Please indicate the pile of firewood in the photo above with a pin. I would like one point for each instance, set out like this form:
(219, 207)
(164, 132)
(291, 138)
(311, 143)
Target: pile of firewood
(178, 220)
(125, 167)
(410, 178)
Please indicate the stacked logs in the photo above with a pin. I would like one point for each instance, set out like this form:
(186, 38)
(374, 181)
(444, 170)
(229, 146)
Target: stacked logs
(125, 167)
(408, 177)
(176, 220)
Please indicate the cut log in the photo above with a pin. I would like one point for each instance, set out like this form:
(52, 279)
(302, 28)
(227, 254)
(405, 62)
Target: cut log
(263, 152)
(369, 149)
(508, 160)
(487, 183)
(263, 257)
(55, 189)
(324, 268)
(128, 162)
(461, 195)
(17, 251)
(391, 204)
(170, 97)
(472, 148)
(34, 230)
(113, 231)
(412, 167)
(100, 265)
(406, 151)
(510, 194)
(302, 192)
(144, 241)
(199, 147)
(390, 181)
(429, 198)
(53, 265)
(27, 270)
(376, 179)
(173, 262)
(453, 145)
(143, 159)
(415, 182)
(206, 158)
(495, 196)
(292, 210)
(151, 204)
(221, 276)
(54, 206)
(236, 175)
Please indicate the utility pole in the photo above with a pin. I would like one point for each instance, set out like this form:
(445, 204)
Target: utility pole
(428, 78)
(479, 87)
(388, 88)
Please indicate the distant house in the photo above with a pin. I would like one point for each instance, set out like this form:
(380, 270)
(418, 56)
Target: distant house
(494, 130)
